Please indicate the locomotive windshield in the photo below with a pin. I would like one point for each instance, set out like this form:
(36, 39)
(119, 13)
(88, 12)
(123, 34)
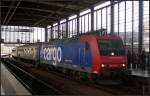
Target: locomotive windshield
(111, 47)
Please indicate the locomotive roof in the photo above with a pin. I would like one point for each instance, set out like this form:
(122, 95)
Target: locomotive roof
(110, 37)
(74, 39)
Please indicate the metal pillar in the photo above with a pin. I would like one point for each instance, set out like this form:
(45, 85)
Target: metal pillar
(118, 17)
(58, 29)
(125, 23)
(140, 25)
(101, 19)
(0, 15)
(67, 27)
(92, 18)
(29, 35)
(112, 18)
(132, 28)
(0, 26)
(46, 34)
(9, 35)
(149, 70)
(78, 23)
(0, 21)
(149, 67)
(51, 32)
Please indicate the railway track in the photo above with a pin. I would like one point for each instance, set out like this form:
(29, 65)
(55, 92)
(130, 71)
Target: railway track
(64, 87)
(33, 84)
(113, 89)
(117, 89)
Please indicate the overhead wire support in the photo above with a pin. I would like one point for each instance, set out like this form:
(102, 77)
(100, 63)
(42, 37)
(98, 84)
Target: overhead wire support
(8, 11)
(10, 17)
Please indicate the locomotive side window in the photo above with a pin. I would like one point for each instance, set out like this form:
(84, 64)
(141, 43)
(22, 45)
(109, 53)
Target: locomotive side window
(111, 47)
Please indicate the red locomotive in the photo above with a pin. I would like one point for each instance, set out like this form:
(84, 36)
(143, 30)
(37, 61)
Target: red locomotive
(88, 54)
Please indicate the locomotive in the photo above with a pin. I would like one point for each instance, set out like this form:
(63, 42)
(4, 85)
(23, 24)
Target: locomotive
(88, 54)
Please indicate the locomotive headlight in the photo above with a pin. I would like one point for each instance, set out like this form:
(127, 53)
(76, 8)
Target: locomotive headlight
(123, 65)
(112, 53)
(102, 65)
(95, 72)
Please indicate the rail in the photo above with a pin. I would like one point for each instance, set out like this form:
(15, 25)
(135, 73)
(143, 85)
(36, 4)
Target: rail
(33, 84)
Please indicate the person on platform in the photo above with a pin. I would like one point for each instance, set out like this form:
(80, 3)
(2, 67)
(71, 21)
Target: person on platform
(134, 60)
(143, 60)
(129, 59)
(147, 64)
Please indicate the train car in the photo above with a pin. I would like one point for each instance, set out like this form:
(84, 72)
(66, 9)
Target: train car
(90, 54)
(73, 55)
(29, 53)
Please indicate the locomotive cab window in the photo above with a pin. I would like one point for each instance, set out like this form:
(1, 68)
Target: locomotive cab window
(110, 47)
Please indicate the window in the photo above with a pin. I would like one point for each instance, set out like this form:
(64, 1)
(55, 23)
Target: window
(107, 46)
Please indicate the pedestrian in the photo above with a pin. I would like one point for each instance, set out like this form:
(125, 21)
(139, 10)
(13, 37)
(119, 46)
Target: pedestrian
(147, 65)
(138, 61)
(129, 59)
(134, 60)
(148, 62)
(143, 60)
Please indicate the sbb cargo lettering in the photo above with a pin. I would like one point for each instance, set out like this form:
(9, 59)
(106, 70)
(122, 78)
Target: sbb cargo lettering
(54, 54)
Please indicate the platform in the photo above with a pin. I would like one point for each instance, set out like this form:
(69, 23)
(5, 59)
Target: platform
(10, 85)
(2, 91)
(140, 73)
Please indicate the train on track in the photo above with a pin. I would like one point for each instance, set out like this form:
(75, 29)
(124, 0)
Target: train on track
(88, 55)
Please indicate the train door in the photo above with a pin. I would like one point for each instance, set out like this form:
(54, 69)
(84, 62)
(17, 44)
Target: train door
(84, 54)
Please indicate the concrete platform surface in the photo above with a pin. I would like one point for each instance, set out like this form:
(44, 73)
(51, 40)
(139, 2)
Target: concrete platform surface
(10, 85)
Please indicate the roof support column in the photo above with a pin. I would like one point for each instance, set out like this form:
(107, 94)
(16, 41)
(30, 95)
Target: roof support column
(78, 23)
(140, 25)
(149, 67)
(67, 27)
(0, 22)
(92, 18)
(46, 34)
(58, 29)
(51, 32)
(112, 18)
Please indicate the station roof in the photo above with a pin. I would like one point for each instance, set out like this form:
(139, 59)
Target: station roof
(40, 12)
